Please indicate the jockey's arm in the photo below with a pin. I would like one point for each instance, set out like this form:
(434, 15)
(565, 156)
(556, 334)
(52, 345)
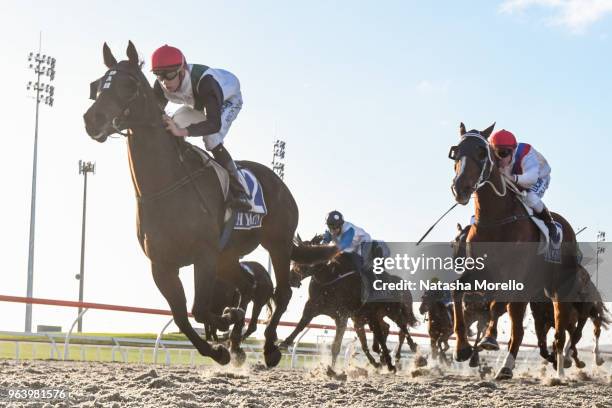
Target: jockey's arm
(159, 95)
(531, 171)
(346, 240)
(210, 94)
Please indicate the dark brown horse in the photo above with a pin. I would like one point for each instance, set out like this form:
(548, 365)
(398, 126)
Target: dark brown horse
(226, 294)
(502, 218)
(335, 291)
(439, 324)
(181, 208)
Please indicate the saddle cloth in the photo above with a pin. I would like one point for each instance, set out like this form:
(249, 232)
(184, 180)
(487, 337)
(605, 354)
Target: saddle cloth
(551, 250)
(244, 220)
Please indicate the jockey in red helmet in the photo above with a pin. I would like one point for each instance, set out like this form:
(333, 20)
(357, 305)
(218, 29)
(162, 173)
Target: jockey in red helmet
(211, 100)
(527, 168)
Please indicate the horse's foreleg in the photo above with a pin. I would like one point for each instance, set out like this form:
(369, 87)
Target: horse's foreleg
(463, 349)
(496, 309)
(337, 344)
(257, 306)
(517, 313)
(204, 273)
(281, 259)
(309, 313)
(168, 282)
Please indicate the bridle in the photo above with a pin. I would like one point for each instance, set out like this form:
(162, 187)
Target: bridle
(486, 167)
(122, 120)
(486, 164)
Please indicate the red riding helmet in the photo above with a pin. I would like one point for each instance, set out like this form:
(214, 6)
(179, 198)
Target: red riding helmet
(167, 58)
(503, 138)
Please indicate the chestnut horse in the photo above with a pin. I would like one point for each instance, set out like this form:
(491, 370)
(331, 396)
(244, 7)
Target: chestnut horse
(181, 208)
(504, 234)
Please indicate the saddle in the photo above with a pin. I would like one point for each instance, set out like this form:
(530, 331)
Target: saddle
(550, 249)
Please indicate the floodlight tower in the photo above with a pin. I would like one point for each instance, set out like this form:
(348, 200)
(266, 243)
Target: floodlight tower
(43, 66)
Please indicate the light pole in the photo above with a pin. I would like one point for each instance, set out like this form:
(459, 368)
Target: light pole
(43, 65)
(278, 166)
(601, 237)
(84, 168)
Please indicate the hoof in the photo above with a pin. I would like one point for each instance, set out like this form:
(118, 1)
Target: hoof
(489, 343)
(464, 354)
(273, 357)
(504, 374)
(599, 361)
(238, 357)
(580, 364)
(221, 355)
(413, 347)
(567, 363)
(234, 314)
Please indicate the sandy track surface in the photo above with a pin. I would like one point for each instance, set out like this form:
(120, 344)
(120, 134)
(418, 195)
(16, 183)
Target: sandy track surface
(132, 385)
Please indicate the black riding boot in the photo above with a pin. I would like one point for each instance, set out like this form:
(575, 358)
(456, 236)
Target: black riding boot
(239, 198)
(546, 216)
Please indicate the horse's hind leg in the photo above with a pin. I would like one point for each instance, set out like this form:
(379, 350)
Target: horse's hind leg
(281, 259)
(378, 333)
(575, 338)
(337, 344)
(398, 353)
(169, 284)
(541, 328)
(562, 314)
(597, 332)
(358, 323)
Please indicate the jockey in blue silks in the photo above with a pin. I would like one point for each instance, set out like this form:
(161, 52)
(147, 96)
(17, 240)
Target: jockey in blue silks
(349, 238)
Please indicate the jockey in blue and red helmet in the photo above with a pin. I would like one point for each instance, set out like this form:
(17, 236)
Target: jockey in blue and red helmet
(212, 96)
(527, 168)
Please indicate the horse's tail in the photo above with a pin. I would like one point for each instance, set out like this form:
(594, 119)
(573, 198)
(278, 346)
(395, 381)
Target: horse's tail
(603, 314)
(308, 254)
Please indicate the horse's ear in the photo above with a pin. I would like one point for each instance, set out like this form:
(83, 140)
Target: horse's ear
(461, 129)
(109, 60)
(487, 132)
(132, 53)
(459, 227)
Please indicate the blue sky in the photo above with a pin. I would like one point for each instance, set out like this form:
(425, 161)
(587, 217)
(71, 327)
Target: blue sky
(368, 97)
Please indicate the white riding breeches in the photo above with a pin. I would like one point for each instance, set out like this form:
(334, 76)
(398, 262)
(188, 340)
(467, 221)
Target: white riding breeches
(535, 194)
(186, 116)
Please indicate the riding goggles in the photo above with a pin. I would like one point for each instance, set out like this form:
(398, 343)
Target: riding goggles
(502, 152)
(167, 75)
